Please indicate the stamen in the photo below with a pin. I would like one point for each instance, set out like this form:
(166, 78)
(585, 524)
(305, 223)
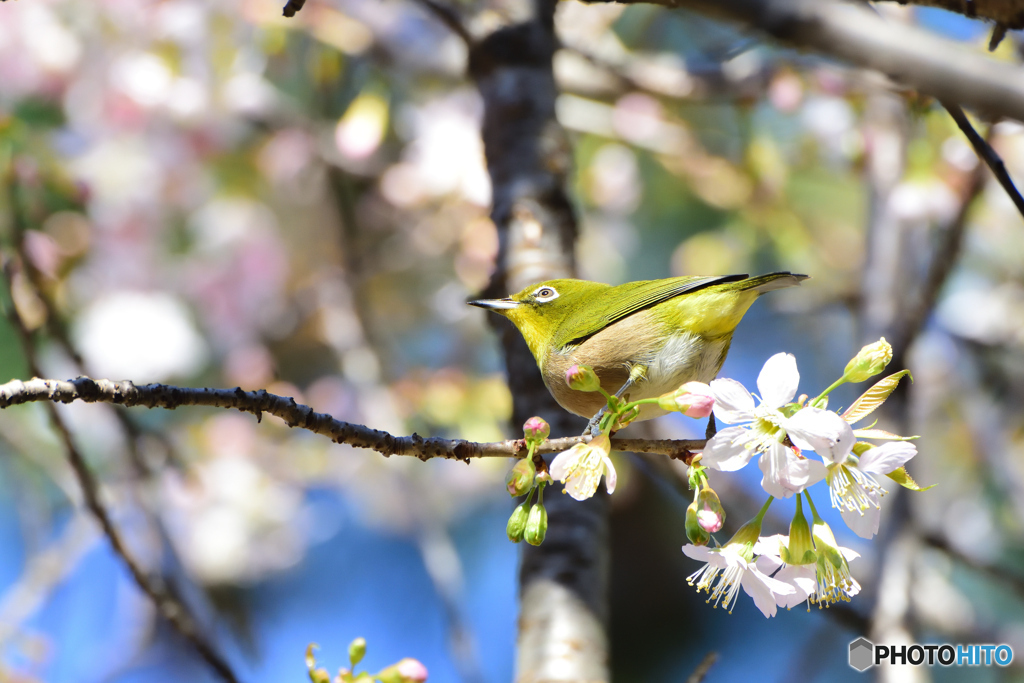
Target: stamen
(850, 489)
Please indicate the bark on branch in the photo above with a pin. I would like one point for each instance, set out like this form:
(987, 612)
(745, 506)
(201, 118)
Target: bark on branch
(296, 414)
(853, 33)
(1009, 13)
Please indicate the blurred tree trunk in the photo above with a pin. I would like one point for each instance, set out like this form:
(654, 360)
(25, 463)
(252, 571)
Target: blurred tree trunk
(563, 583)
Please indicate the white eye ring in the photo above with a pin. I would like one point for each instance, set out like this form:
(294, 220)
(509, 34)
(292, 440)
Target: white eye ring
(545, 294)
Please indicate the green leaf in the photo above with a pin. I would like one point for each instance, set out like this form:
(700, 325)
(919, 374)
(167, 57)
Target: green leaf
(881, 434)
(874, 397)
(901, 477)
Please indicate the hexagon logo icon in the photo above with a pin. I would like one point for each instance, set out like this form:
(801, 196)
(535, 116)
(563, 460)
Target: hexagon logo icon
(862, 654)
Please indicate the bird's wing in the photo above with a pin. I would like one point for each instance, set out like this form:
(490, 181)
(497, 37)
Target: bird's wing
(630, 298)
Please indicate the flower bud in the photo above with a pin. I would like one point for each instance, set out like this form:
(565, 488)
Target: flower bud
(517, 523)
(519, 479)
(406, 671)
(801, 548)
(694, 532)
(582, 378)
(536, 525)
(319, 675)
(356, 651)
(536, 430)
(871, 360)
(710, 513)
(693, 399)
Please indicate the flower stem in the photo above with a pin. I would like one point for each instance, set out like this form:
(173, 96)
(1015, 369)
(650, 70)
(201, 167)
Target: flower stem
(838, 382)
(529, 496)
(814, 510)
(639, 402)
(764, 509)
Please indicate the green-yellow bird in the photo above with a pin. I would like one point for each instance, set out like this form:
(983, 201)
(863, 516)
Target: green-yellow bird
(643, 339)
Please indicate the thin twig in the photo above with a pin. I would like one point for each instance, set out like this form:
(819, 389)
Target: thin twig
(293, 6)
(702, 669)
(986, 153)
(1009, 577)
(58, 330)
(855, 34)
(945, 256)
(450, 18)
(153, 587)
(298, 415)
(44, 571)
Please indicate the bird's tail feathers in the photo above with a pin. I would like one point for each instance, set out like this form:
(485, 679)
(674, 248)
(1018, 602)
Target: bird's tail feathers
(772, 281)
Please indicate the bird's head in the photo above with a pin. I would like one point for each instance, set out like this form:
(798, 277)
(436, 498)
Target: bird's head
(541, 311)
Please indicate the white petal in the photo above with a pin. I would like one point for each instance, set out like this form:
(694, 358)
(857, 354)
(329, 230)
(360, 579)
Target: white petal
(767, 564)
(778, 380)
(730, 553)
(887, 457)
(609, 475)
(763, 590)
(864, 525)
(726, 450)
(581, 487)
(803, 581)
(702, 553)
(769, 545)
(821, 431)
(786, 473)
(849, 554)
(733, 403)
(563, 462)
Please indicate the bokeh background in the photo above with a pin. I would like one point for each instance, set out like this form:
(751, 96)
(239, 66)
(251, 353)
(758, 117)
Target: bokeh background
(208, 194)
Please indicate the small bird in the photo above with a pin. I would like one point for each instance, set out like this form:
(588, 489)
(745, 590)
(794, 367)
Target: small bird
(642, 339)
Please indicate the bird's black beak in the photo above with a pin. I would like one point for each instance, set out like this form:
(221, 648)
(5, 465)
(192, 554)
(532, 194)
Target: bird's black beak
(497, 305)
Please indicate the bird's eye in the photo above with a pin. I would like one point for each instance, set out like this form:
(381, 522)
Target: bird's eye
(545, 294)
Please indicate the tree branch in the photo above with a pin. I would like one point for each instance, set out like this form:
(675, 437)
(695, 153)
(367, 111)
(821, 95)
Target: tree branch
(1008, 13)
(295, 414)
(853, 33)
(986, 154)
(944, 257)
(173, 611)
(563, 583)
(448, 16)
(293, 6)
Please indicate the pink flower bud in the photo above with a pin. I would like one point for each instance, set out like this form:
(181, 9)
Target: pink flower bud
(536, 429)
(406, 671)
(694, 532)
(582, 378)
(520, 478)
(693, 399)
(411, 671)
(710, 513)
